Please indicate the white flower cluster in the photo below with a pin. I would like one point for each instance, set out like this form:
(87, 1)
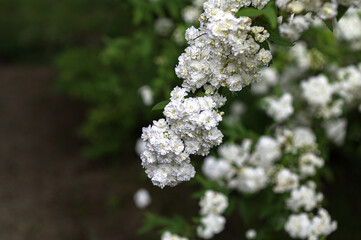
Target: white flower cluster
(222, 52)
(279, 108)
(269, 78)
(317, 91)
(192, 12)
(308, 164)
(190, 128)
(303, 227)
(285, 181)
(244, 177)
(315, 9)
(251, 171)
(349, 28)
(304, 197)
(327, 99)
(169, 236)
(213, 204)
(348, 84)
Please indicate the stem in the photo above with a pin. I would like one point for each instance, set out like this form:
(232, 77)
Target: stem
(198, 93)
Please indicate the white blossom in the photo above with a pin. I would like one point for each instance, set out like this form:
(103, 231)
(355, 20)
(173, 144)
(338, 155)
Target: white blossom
(285, 181)
(213, 203)
(142, 198)
(280, 109)
(251, 234)
(146, 94)
(336, 130)
(317, 91)
(308, 163)
(304, 197)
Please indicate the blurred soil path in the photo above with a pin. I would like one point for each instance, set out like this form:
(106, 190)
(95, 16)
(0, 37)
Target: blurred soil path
(47, 190)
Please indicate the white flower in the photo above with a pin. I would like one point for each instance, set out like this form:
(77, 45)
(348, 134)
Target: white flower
(285, 181)
(142, 198)
(211, 225)
(163, 26)
(213, 203)
(191, 14)
(322, 224)
(216, 169)
(266, 152)
(147, 95)
(298, 226)
(249, 180)
(269, 78)
(140, 146)
(251, 234)
(280, 109)
(336, 130)
(328, 10)
(317, 91)
(304, 197)
(303, 137)
(308, 163)
(235, 154)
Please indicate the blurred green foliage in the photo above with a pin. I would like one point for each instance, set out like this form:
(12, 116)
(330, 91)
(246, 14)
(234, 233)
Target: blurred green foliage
(108, 77)
(30, 29)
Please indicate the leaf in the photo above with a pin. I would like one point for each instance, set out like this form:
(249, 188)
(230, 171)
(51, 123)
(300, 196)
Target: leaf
(160, 106)
(329, 24)
(249, 12)
(152, 221)
(270, 14)
(276, 38)
(341, 12)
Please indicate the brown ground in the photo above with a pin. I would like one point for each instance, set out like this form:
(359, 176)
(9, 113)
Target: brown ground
(47, 190)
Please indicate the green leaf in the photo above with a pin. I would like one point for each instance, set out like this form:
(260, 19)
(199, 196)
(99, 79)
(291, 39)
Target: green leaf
(249, 12)
(329, 24)
(160, 106)
(270, 14)
(341, 12)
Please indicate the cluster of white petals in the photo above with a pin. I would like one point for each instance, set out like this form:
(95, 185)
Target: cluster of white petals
(213, 204)
(222, 52)
(308, 164)
(348, 29)
(304, 197)
(285, 181)
(280, 108)
(192, 12)
(303, 227)
(238, 168)
(190, 127)
(298, 22)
